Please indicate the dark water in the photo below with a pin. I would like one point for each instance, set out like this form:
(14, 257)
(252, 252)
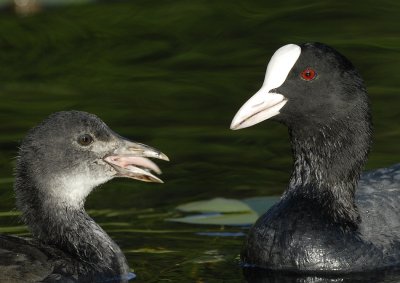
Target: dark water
(172, 74)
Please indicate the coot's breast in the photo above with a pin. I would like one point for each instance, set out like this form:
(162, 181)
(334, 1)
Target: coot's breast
(294, 236)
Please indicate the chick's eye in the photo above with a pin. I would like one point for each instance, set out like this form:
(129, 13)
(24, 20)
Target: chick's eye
(308, 74)
(85, 139)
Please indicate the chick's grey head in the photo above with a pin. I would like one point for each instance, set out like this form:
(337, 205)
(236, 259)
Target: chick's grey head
(70, 153)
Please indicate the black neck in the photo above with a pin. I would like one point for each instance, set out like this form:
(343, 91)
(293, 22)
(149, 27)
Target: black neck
(70, 229)
(328, 161)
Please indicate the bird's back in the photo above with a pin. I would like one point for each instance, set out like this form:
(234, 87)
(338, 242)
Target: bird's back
(27, 260)
(378, 201)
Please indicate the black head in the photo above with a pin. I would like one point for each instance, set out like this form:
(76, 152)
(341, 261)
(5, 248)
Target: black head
(63, 158)
(324, 85)
(320, 96)
(306, 85)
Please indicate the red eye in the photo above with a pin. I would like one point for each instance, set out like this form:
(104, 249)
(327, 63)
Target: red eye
(308, 74)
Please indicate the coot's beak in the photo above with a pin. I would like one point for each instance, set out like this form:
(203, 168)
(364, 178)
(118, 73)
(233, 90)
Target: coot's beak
(130, 160)
(259, 107)
(267, 103)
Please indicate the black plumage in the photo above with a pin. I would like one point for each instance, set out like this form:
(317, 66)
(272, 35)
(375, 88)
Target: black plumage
(322, 223)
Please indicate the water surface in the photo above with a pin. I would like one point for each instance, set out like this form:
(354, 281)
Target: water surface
(172, 75)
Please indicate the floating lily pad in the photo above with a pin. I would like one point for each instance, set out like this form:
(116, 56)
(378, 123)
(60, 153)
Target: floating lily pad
(234, 219)
(222, 211)
(223, 205)
(261, 204)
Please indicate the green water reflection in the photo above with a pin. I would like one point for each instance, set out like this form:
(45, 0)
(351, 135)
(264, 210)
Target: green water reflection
(172, 75)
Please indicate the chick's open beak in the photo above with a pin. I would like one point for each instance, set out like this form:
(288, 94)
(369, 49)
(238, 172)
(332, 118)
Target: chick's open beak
(130, 160)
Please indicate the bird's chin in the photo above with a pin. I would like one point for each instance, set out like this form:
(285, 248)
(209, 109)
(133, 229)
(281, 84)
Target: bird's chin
(134, 167)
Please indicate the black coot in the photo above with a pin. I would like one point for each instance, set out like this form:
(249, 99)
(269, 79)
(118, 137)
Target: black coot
(322, 223)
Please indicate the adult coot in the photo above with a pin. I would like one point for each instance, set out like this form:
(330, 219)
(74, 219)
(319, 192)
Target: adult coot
(60, 162)
(321, 223)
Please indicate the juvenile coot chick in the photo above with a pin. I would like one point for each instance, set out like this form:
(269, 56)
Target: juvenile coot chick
(60, 162)
(321, 224)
